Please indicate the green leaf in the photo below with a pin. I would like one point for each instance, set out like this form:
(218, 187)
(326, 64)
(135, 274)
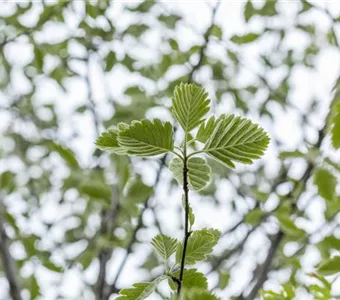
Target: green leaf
(249, 11)
(108, 142)
(146, 138)
(191, 279)
(288, 226)
(330, 266)
(291, 154)
(189, 105)
(143, 7)
(137, 191)
(110, 61)
(65, 153)
(206, 129)
(223, 279)
(140, 291)
(236, 139)
(164, 245)
(216, 31)
(254, 216)
(169, 20)
(197, 294)
(7, 181)
(52, 267)
(200, 244)
(191, 217)
(198, 172)
(326, 183)
(245, 39)
(33, 287)
(335, 131)
(96, 189)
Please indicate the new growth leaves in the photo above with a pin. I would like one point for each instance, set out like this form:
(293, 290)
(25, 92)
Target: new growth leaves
(227, 139)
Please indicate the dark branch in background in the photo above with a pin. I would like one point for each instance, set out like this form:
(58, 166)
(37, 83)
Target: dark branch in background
(207, 35)
(266, 267)
(138, 226)
(38, 26)
(7, 261)
(108, 216)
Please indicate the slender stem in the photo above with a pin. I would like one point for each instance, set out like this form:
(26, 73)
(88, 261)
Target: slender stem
(194, 153)
(178, 155)
(179, 149)
(186, 220)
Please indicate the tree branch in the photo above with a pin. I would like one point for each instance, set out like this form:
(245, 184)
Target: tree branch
(207, 35)
(8, 262)
(113, 287)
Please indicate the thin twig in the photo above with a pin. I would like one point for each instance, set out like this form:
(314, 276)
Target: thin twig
(139, 225)
(207, 36)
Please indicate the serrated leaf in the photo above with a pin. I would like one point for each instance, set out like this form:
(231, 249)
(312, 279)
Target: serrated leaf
(164, 245)
(140, 291)
(326, 183)
(236, 139)
(189, 105)
(200, 244)
(107, 141)
(146, 138)
(330, 266)
(206, 129)
(198, 172)
(191, 279)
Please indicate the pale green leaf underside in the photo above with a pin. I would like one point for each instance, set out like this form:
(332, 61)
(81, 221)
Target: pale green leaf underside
(198, 172)
(236, 139)
(189, 105)
(200, 244)
(140, 291)
(107, 141)
(206, 129)
(146, 138)
(164, 245)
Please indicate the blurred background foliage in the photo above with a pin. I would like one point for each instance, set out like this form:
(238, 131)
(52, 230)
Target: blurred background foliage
(76, 223)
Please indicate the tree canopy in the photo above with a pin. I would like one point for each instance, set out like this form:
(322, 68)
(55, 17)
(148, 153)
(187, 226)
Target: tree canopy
(77, 222)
